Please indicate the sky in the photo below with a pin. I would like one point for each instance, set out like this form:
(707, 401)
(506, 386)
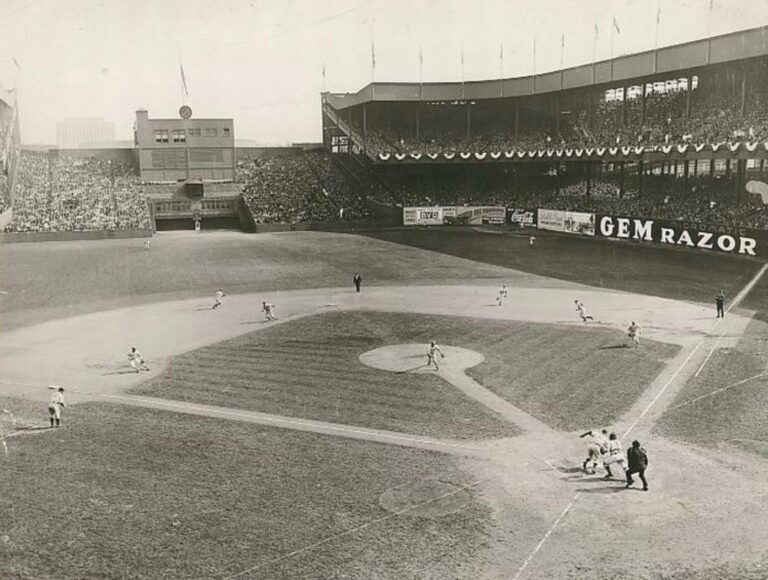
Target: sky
(261, 61)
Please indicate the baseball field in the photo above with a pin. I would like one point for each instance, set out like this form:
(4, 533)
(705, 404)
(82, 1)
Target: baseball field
(321, 445)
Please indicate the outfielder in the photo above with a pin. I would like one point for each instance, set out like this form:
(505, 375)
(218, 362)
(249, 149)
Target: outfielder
(137, 361)
(55, 406)
(432, 353)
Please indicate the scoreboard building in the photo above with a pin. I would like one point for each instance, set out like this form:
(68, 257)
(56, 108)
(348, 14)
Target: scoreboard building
(184, 149)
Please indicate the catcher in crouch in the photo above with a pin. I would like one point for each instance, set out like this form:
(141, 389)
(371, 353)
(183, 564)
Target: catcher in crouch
(432, 353)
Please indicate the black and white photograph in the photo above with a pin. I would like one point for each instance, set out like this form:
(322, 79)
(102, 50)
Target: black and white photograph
(383, 289)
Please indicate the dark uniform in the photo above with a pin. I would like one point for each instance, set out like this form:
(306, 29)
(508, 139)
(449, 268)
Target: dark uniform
(637, 462)
(357, 280)
(719, 300)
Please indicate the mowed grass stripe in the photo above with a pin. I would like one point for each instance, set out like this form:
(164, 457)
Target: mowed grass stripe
(566, 376)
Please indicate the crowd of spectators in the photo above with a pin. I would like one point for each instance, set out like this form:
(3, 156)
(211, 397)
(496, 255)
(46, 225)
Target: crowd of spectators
(712, 114)
(302, 187)
(704, 199)
(63, 194)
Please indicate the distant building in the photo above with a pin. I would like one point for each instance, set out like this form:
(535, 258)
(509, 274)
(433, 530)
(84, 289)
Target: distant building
(185, 148)
(75, 133)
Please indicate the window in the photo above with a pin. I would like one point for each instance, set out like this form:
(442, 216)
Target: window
(225, 131)
(210, 132)
(179, 136)
(161, 136)
(193, 132)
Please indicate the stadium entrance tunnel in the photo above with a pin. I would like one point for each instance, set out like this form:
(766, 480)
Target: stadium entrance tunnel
(412, 358)
(215, 223)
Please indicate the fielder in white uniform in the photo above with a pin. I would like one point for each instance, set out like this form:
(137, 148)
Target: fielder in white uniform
(582, 311)
(269, 310)
(218, 298)
(502, 295)
(432, 353)
(137, 361)
(55, 406)
(597, 448)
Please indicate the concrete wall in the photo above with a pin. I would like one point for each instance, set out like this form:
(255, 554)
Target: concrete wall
(73, 236)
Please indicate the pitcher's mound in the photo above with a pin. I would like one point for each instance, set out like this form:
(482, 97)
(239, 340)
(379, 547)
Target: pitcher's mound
(412, 358)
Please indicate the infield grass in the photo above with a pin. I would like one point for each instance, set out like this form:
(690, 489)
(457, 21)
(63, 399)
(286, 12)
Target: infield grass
(126, 493)
(568, 377)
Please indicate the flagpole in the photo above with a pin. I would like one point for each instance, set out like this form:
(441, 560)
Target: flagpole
(534, 58)
(501, 70)
(562, 49)
(658, 19)
(594, 53)
(709, 29)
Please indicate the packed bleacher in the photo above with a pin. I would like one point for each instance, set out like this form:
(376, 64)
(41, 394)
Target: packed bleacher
(712, 110)
(63, 194)
(300, 187)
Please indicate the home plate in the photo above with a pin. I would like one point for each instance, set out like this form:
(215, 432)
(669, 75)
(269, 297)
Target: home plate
(404, 358)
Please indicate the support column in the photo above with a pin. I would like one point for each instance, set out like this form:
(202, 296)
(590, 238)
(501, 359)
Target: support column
(688, 102)
(557, 117)
(621, 180)
(642, 106)
(624, 107)
(517, 119)
(743, 89)
(640, 171)
(686, 167)
(469, 121)
(589, 179)
(711, 168)
(418, 108)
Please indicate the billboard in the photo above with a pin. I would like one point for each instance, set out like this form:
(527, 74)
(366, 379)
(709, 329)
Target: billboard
(475, 215)
(581, 223)
(523, 218)
(454, 215)
(551, 219)
(423, 216)
(718, 238)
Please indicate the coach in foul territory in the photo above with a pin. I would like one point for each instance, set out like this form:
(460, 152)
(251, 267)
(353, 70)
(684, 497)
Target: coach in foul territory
(357, 280)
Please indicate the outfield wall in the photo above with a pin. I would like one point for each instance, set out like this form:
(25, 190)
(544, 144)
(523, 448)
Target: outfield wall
(19, 237)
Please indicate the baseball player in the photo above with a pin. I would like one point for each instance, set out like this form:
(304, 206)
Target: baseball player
(432, 353)
(502, 295)
(137, 361)
(615, 454)
(633, 332)
(597, 447)
(531, 241)
(55, 406)
(148, 243)
(582, 311)
(269, 310)
(218, 298)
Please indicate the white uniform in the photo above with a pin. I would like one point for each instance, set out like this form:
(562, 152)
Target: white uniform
(583, 312)
(615, 454)
(597, 447)
(502, 295)
(54, 407)
(137, 361)
(269, 311)
(432, 355)
(218, 299)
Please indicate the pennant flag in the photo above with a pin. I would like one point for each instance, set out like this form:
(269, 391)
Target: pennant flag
(597, 32)
(562, 40)
(616, 26)
(16, 62)
(373, 54)
(421, 55)
(658, 14)
(183, 80)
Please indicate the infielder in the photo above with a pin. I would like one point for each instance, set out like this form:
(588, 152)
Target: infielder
(137, 361)
(432, 353)
(269, 310)
(55, 406)
(218, 298)
(502, 295)
(582, 311)
(633, 332)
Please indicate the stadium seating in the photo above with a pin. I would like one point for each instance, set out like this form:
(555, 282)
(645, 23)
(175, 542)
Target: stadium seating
(63, 194)
(302, 187)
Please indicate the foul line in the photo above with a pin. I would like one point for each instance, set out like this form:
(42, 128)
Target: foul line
(355, 529)
(546, 536)
(713, 393)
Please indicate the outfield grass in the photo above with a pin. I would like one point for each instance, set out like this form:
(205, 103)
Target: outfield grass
(645, 269)
(569, 377)
(101, 275)
(734, 415)
(135, 493)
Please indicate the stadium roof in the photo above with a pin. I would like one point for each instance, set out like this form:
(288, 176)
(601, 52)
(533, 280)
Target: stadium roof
(731, 47)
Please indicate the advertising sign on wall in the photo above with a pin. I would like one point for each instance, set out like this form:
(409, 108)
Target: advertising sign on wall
(524, 218)
(551, 219)
(423, 216)
(580, 223)
(728, 239)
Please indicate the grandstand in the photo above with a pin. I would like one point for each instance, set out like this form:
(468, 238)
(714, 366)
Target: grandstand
(673, 133)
